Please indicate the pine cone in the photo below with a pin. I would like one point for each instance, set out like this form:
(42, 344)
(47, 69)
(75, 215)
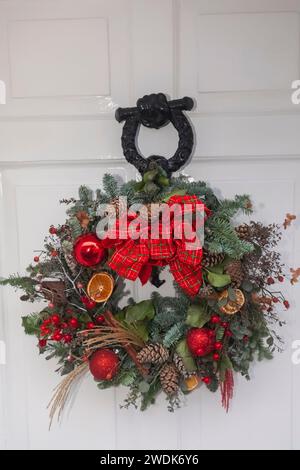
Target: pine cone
(169, 379)
(178, 362)
(211, 259)
(235, 271)
(243, 231)
(153, 354)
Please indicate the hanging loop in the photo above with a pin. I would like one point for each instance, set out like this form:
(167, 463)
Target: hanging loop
(154, 111)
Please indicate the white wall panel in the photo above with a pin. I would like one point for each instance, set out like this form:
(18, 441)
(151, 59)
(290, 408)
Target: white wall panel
(247, 52)
(59, 58)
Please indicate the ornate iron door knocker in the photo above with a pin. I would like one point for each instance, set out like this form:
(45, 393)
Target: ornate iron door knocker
(154, 111)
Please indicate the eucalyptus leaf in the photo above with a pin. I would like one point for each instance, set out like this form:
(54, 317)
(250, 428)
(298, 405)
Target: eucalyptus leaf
(186, 356)
(218, 280)
(141, 311)
(144, 387)
(197, 316)
(176, 192)
(231, 294)
(247, 286)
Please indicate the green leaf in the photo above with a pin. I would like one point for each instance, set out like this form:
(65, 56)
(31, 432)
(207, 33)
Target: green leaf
(150, 176)
(247, 286)
(176, 192)
(148, 398)
(197, 316)
(163, 181)
(144, 387)
(231, 294)
(218, 269)
(31, 324)
(140, 328)
(218, 280)
(139, 186)
(224, 364)
(186, 356)
(141, 311)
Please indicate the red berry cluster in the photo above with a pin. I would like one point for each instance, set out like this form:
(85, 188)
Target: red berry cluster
(216, 320)
(55, 329)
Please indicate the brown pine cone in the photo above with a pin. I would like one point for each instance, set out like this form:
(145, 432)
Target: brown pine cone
(153, 354)
(181, 367)
(235, 271)
(169, 379)
(211, 259)
(243, 231)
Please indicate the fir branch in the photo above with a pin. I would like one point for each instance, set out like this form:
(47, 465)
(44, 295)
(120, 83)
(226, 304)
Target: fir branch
(24, 283)
(110, 186)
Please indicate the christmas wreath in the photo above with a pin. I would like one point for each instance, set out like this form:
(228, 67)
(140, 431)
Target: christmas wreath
(223, 314)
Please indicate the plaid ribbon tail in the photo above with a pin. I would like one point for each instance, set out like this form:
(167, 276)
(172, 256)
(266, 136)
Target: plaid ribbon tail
(189, 279)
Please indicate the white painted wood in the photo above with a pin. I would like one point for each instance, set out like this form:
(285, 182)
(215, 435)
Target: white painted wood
(59, 58)
(247, 52)
(51, 143)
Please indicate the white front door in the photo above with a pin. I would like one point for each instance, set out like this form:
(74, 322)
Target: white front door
(66, 66)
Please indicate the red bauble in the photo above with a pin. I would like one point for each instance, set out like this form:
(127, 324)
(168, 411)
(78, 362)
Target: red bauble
(88, 250)
(200, 341)
(104, 364)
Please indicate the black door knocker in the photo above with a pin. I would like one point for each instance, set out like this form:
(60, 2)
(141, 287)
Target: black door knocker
(154, 111)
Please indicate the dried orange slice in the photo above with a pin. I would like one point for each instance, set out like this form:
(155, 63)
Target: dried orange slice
(100, 287)
(232, 306)
(192, 382)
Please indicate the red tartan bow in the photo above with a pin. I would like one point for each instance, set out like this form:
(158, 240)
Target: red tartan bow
(135, 258)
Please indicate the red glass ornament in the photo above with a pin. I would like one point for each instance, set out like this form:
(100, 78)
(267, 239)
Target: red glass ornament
(104, 364)
(88, 250)
(200, 341)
